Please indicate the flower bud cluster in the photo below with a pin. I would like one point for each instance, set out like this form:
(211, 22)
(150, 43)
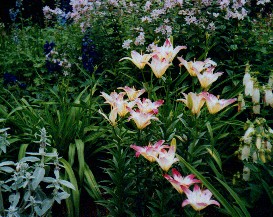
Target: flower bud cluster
(256, 144)
(259, 94)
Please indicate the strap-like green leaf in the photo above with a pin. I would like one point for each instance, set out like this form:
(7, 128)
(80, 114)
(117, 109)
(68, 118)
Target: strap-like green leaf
(75, 193)
(91, 184)
(235, 196)
(80, 151)
(215, 193)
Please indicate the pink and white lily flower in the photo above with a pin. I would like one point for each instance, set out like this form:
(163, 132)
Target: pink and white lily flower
(112, 116)
(197, 66)
(146, 105)
(214, 104)
(159, 65)
(167, 51)
(138, 59)
(149, 152)
(207, 78)
(132, 93)
(116, 101)
(198, 199)
(141, 119)
(193, 101)
(112, 98)
(178, 180)
(167, 158)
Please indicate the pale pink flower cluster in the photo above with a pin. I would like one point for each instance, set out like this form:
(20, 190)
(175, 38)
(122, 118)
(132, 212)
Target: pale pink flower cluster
(151, 13)
(126, 44)
(61, 59)
(164, 155)
(57, 12)
(161, 58)
(254, 90)
(141, 111)
(203, 70)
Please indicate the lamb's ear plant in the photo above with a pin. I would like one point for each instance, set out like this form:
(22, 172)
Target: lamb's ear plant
(34, 182)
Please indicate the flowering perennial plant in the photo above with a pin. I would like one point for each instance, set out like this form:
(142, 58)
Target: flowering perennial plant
(198, 199)
(142, 115)
(254, 89)
(178, 180)
(256, 144)
(56, 62)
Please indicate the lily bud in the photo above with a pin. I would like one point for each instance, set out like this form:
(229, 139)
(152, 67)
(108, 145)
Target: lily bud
(268, 146)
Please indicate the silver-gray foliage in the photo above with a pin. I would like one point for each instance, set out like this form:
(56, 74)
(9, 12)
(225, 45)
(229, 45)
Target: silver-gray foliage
(30, 192)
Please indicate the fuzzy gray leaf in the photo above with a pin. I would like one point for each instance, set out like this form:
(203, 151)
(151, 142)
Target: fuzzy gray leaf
(39, 175)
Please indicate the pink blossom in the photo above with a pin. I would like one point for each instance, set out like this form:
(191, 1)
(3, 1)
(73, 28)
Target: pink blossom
(178, 180)
(198, 199)
(149, 152)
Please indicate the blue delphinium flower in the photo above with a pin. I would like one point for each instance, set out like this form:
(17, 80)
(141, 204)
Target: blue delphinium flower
(48, 46)
(50, 65)
(89, 54)
(53, 67)
(9, 79)
(22, 86)
(13, 14)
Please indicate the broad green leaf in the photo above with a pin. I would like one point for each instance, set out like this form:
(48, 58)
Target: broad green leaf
(91, 184)
(80, 153)
(22, 151)
(214, 153)
(71, 153)
(76, 193)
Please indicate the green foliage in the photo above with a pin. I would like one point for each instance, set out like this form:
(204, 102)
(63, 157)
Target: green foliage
(30, 180)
